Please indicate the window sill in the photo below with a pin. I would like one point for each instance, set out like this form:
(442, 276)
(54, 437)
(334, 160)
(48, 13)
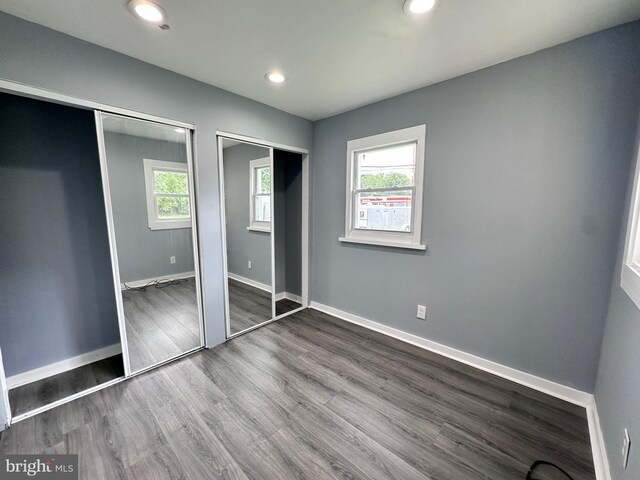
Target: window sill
(170, 225)
(383, 243)
(630, 283)
(259, 229)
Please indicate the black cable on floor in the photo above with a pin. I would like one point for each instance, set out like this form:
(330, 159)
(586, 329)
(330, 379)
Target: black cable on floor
(155, 283)
(537, 463)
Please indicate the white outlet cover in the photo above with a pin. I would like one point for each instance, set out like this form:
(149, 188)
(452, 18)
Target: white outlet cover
(422, 312)
(172, 259)
(249, 264)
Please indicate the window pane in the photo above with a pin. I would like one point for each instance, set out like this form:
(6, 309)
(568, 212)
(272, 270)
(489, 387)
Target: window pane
(170, 182)
(390, 211)
(262, 208)
(172, 207)
(386, 167)
(263, 180)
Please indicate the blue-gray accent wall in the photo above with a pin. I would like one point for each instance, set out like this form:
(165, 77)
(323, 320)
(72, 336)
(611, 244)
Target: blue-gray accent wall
(618, 383)
(56, 283)
(526, 171)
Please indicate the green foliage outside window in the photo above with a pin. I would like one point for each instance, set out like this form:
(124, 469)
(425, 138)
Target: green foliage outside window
(384, 180)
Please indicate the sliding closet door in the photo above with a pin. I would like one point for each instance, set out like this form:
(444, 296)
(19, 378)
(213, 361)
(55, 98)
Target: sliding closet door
(147, 167)
(58, 318)
(246, 171)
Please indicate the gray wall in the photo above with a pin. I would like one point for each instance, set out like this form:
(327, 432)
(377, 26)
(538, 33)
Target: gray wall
(618, 384)
(56, 284)
(242, 244)
(526, 169)
(34, 55)
(143, 253)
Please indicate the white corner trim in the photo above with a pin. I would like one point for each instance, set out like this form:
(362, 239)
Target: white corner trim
(598, 448)
(62, 366)
(146, 281)
(288, 296)
(248, 281)
(554, 389)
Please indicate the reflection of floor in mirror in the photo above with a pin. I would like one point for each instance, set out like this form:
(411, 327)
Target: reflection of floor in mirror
(162, 322)
(48, 390)
(250, 306)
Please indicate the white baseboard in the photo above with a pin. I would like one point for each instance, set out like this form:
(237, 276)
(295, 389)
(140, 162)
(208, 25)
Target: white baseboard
(598, 448)
(554, 389)
(248, 281)
(63, 366)
(288, 296)
(146, 281)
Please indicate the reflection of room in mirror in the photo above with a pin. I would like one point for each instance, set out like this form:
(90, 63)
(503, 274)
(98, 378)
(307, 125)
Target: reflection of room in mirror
(247, 196)
(149, 186)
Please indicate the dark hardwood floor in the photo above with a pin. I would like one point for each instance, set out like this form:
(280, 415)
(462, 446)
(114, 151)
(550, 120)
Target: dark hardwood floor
(28, 397)
(161, 322)
(312, 397)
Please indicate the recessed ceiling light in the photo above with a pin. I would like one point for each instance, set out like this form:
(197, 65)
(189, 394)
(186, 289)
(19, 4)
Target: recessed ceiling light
(148, 11)
(275, 77)
(418, 7)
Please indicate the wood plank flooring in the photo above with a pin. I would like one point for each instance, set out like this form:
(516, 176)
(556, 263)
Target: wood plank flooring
(48, 390)
(161, 322)
(312, 397)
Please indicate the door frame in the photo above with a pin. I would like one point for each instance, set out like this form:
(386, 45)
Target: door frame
(221, 135)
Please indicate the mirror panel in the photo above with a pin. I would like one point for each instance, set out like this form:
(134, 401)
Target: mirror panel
(287, 196)
(247, 201)
(151, 198)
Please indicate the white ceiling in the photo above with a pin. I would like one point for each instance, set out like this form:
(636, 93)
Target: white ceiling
(337, 54)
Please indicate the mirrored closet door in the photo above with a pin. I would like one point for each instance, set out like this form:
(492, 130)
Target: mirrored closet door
(264, 211)
(147, 171)
(247, 205)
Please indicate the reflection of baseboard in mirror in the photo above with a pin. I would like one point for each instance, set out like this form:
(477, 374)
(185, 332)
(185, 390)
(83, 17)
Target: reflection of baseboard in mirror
(150, 281)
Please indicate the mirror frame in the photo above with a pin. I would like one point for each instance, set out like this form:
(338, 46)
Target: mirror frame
(220, 137)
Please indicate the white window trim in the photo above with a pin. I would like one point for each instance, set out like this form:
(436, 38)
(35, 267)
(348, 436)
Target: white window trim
(411, 239)
(154, 222)
(630, 275)
(254, 225)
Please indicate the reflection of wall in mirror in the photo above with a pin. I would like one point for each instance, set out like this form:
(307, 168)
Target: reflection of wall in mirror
(143, 253)
(244, 245)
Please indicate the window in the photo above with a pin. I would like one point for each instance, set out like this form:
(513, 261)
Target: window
(384, 189)
(260, 202)
(167, 187)
(630, 281)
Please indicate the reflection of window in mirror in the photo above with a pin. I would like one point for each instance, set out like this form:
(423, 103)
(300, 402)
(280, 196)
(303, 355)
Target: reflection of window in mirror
(260, 204)
(167, 188)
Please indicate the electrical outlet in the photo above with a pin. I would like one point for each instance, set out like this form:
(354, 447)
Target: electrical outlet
(626, 447)
(172, 260)
(422, 312)
(249, 265)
